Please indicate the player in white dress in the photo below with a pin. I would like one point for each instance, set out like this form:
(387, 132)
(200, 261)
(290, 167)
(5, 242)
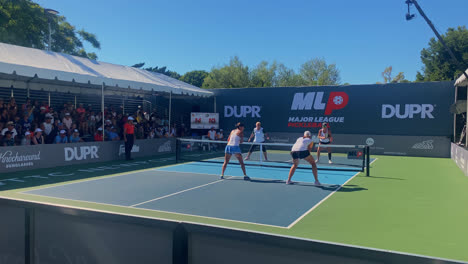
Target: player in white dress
(301, 150)
(325, 138)
(232, 148)
(259, 136)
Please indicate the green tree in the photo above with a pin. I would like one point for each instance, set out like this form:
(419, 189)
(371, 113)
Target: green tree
(24, 23)
(264, 75)
(387, 76)
(400, 78)
(287, 77)
(232, 75)
(318, 72)
(196, 78)
(438, 65)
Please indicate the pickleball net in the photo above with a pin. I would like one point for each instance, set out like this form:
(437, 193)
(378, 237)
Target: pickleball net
(344, 157)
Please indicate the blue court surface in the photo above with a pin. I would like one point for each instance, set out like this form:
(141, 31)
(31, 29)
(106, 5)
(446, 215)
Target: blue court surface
(195, 189)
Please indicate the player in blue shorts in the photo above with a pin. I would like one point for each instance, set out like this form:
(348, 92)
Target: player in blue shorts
(232, 148)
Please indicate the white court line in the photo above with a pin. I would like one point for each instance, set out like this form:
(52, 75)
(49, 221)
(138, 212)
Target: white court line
(172, 194)
(324, 199)
(137, 208)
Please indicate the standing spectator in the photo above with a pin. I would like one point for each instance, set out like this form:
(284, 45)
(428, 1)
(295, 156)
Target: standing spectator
(25, 124)
(61, 138)
(4, 118)
(26, 105)
(48, 128)
(41, 116)
(75, 137)
(8, 141)
(91, 124)
(129, 137)
(38, 139)
(83, 123)
(10, 128)
(12, 108)
(80, 110)
(67, 121)
(99, 135)
(27, 139)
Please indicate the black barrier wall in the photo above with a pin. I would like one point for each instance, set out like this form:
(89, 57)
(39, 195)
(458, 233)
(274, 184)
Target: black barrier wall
(42, 233)
(406, 109)
(46, 156)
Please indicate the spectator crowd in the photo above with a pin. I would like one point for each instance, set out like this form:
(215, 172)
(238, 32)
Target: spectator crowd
(38, 123)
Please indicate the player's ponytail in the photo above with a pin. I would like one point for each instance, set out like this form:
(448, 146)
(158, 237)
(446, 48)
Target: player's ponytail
(238, 125)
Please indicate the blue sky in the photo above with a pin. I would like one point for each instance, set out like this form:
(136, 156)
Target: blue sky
(361, 37)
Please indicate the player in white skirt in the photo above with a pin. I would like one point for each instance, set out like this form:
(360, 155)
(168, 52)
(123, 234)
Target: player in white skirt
(325, 138)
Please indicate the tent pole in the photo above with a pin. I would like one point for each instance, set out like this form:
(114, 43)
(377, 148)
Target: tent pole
(214, 110)
(12, 93)
(49, 99)
(455, 118)
(170, 108)
(102, 109)
(75, 101)
(123, 106)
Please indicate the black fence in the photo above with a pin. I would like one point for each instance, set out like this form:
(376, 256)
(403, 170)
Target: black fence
(44, 233)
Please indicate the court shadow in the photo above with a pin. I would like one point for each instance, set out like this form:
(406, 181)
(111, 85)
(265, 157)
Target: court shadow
(385, 178)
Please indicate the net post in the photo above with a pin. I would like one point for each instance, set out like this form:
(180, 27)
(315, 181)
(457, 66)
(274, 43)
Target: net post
(363, 159)
(368, 160)
(178, 146)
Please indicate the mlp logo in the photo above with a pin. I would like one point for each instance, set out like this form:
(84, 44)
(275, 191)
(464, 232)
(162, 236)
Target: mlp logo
(336, 100)
(315, 101)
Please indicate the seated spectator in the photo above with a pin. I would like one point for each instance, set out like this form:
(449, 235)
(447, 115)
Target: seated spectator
(113, 136)
(8, 141)
(75, 137)
(158, 132)
(211, 134)
(38, 138)
(10, 128)
(173, 132)
(27, 139)
(99, 135)
(61, 138)
(220, 135)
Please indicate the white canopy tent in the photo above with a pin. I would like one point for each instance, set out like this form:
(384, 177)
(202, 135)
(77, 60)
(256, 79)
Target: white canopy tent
(462, 81)
(39, 69)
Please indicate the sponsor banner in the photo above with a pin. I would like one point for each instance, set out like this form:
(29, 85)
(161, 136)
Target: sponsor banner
(420, 146)
(204, 120)
(460, 155)
(409, 109)
(55, 155)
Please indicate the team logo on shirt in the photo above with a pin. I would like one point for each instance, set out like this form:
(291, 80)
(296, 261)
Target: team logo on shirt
(315, 101)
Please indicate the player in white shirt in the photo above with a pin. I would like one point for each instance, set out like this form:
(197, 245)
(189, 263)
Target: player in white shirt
(325, 138)
(232, 148)
(301, 150)
(259, 136)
